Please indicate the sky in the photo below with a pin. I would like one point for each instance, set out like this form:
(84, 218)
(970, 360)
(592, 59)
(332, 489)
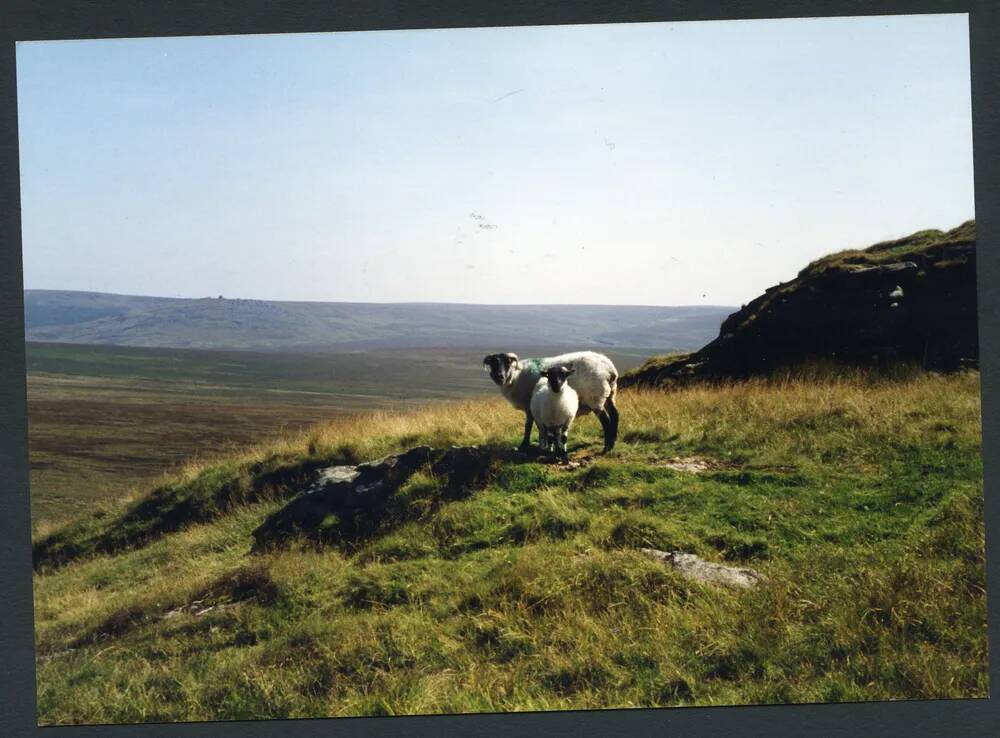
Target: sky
(641, 164)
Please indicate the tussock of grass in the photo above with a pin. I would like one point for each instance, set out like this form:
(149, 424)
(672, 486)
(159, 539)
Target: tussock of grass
(860, 498)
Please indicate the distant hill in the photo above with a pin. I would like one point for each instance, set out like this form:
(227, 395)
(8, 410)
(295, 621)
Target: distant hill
(217, 323)
(909, 300)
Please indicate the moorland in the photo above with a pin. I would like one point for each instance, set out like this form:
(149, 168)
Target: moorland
(851, 491)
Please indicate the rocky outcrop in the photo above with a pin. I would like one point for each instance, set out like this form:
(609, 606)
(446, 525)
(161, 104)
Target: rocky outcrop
(911, 300)
(345, 504)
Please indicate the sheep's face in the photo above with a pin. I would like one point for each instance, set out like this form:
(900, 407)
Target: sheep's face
(557, 376)
(499, 367)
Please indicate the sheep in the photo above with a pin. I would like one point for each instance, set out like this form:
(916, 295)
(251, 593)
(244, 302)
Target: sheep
(595, 381)
(554, 405)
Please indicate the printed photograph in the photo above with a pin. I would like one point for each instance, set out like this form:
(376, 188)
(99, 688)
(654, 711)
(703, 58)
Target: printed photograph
(502, 369)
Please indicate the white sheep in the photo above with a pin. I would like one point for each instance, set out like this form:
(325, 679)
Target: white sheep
(595, 380)
(554, 404)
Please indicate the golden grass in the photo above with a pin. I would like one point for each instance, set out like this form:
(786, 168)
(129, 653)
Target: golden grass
(755, 409)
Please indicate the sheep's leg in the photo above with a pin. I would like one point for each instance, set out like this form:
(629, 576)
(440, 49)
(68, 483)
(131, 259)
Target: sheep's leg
(543, 438)
(612, 411)
(552, 438)
(563, 439)
(609, 429)
(528, 422)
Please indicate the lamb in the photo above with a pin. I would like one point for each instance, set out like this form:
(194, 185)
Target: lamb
(595, 381)
(554, 405)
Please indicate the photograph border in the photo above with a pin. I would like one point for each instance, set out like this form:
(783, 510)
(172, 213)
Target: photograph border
(77, 19)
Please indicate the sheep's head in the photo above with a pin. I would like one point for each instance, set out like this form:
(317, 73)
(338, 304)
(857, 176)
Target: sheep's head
(500, 366)
(557, 376)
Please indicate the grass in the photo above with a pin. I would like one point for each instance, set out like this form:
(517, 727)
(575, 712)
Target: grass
(653, 364)
(858, 497)
(915, 245)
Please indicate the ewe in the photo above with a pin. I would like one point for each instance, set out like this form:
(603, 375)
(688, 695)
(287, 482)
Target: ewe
(594, 379)
(554, 404)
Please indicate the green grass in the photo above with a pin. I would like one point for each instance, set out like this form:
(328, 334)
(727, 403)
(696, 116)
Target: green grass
(859, 498)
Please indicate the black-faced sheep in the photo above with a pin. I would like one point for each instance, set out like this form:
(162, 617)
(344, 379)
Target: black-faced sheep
(595, 380)
(554, 405)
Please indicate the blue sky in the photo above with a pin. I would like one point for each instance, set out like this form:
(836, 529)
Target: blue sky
(661, 164)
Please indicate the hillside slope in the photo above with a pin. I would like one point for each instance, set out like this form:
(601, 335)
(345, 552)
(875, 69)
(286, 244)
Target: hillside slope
(909, 300)
(858, 499)
(215, 323)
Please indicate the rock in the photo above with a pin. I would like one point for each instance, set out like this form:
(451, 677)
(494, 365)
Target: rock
(196, 609)
(846, 309)
(344, 504)
(42, 658)
(691, 464)
(338, 495)
(334, 475)
(904, 266)
(699, 570)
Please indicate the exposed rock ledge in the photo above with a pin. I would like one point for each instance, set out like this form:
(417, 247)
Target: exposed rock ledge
(346, 503)
(907, 301)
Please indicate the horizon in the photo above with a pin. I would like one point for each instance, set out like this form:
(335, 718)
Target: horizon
(536, 165)
(382, 302)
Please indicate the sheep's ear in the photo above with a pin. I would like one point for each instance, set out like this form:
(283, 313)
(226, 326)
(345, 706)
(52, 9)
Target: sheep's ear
(512, 357)
(570, 371)
(544, 373)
